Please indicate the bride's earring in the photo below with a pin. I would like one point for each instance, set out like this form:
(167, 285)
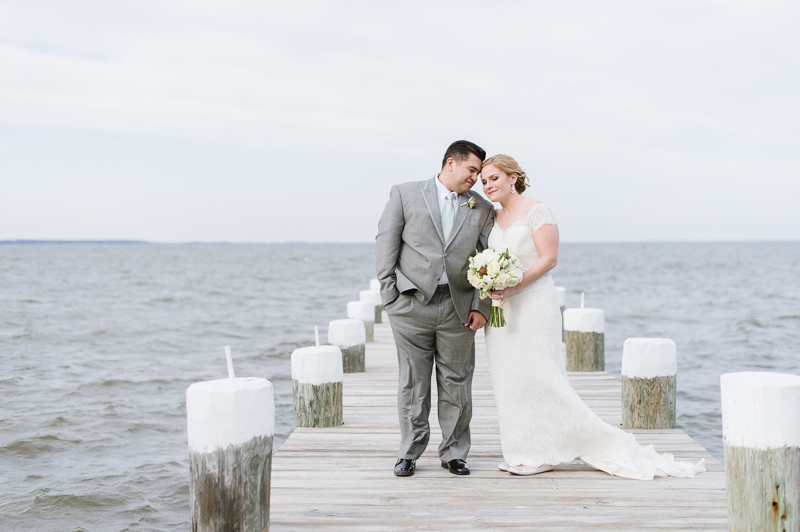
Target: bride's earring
(513, 189)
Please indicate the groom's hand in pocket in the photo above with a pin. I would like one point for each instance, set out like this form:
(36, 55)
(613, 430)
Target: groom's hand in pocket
(476, 320)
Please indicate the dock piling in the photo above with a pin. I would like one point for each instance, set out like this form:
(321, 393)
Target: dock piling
(373, 296)
(761, 441)
(649, 383)
(350, 336)
(364, 311)
(317, 376)
(230, 424)
(585, 332)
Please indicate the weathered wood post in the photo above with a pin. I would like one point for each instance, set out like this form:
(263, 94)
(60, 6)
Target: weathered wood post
(649, 379)
(761, 439)
(373, 296)
(349, 336)
(562, 304)
(317, 386)
(230, 423)
(585, 331)
(364, 311)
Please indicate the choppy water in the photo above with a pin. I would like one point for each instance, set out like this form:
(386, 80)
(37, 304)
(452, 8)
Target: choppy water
(98, 344)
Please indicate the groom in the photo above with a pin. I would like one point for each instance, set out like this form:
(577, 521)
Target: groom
(426, 234)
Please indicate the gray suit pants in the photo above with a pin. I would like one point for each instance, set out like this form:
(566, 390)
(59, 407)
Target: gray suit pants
(425, 334)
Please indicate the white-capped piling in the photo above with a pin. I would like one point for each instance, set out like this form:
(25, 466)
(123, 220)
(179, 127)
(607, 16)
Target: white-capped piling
(585, 332)
(562, 304)
(317, 377)
(230, 426)
(350, 336)
(375, 284)
(649, 383)
(761, 440)
(374, 297)
(364, 311)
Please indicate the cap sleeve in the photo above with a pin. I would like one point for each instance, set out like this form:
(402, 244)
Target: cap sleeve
(539, 215)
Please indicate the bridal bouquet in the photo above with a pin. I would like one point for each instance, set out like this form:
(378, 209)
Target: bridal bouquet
(494, 270)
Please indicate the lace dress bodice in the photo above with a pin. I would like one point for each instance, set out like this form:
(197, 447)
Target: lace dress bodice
(517, 237)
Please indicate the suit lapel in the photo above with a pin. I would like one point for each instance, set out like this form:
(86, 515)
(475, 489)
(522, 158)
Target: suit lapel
(461, 215)
(431, 198)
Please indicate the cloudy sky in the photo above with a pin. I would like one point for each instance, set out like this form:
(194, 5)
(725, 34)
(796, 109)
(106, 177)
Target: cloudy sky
(263, 121)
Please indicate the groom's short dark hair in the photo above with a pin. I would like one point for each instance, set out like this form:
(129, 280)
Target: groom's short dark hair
(460, 150)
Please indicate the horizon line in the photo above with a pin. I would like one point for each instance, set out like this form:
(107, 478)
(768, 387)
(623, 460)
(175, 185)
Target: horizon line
(302, 242)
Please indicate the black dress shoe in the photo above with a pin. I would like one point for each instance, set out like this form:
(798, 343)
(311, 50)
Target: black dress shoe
(456, 466)
(404, 467)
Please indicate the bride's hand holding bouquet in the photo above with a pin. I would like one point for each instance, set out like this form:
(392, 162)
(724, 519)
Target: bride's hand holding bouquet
(500, 295)
(494, 270)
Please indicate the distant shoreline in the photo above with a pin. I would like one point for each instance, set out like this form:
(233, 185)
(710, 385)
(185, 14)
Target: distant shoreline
(145, 242)
(6, 242)
(140, 242)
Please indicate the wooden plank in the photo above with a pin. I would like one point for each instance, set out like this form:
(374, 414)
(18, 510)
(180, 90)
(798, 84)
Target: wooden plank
(340, 478)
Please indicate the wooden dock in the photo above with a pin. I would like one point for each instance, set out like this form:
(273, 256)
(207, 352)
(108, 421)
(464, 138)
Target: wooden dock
(340, 479)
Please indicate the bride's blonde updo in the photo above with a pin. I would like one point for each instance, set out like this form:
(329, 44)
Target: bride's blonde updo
(507, 164)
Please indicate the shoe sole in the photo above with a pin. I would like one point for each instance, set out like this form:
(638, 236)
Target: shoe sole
(404, 474)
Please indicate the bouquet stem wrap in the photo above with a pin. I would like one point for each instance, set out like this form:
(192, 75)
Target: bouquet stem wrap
(496, 319)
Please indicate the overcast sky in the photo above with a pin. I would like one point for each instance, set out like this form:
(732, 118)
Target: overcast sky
(262, 121)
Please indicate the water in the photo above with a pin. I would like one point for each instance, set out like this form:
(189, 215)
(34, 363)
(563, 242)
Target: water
(98, 344)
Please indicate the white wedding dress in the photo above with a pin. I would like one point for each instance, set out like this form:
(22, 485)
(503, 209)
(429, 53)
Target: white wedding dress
(542, 419)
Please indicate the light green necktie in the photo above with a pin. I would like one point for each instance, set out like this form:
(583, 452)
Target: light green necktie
(447, 216)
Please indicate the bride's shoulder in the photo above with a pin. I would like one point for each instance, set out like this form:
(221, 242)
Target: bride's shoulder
(539, 215)
(533, 202)
(532, 205)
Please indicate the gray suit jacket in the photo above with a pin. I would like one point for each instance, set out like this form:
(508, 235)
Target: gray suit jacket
(411, 251)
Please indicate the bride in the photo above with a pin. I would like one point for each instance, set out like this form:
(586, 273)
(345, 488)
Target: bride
(543, 421)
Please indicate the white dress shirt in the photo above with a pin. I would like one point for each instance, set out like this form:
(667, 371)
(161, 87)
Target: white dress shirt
(443, 191)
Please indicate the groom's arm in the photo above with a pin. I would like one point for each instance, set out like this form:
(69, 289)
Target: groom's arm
(484, 306)
(388, 243)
